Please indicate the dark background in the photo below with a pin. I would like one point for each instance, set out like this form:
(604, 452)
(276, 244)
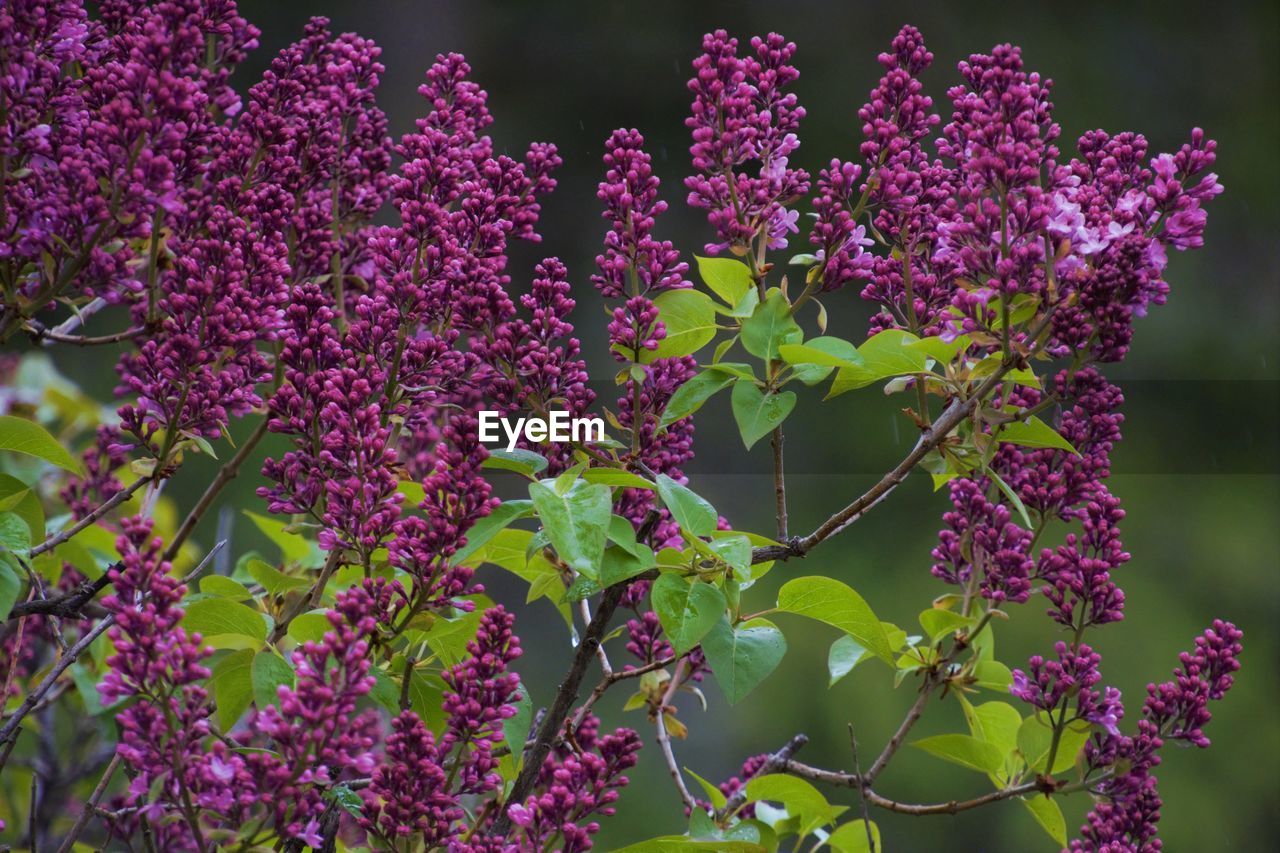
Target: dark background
(1198, 469)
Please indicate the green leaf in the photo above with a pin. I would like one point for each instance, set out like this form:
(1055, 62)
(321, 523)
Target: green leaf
(10, 584)
(15, 535)
(577, 522)
(742, 657)
(274, 581)
(770, 326)
(448, 638)
(996, 723)
(521, 461)
(347, 799)
(293, 547)
(695, 516)
(233, 686)
(17, 497)
(583, 587)
(686, 610)
(615, 477)
(690, 320)
(736, 369)
(851, 837)
(728, 278)
(885, 355)
(23, 436)
(486, 528)
(844, 655)
(312, 626)
(734, 549)
(965, 750)
(226, 624)
(938, 622)
(224, 587)
(714, 795)
(426, 692)
(1012, 496)
(993, 675)
(515, 729)
(691, 396)
(269, 672)
(1048, 814)
(758, 413)
(939, 350)
(825, 351)
(830, 601)
(620, 564)
(1034, 432)
(622, 534)
(1035, 738)
(800, 799)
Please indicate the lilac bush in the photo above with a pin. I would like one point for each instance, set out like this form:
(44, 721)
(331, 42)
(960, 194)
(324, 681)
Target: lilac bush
(358, 686)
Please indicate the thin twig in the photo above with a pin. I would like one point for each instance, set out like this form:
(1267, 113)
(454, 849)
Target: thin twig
(65, 606)
(90, 806)
(113, 502)
(852, 780)
(41, 333)
(775, 762)
(664, 737)
(779, 485)
(934, 677)
(904, 728)
(311, 600)
(862, 793)
(673, 768)
(613, 677)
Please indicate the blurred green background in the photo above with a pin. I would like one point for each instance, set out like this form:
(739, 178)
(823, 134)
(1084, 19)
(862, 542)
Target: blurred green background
(1198, 470)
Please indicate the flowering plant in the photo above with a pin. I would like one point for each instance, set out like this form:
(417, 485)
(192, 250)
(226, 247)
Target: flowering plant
(358, 686)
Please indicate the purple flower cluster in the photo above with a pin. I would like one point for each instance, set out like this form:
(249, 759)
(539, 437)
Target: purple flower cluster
(481, 691)
(744, 127)
(315, 737)
(1073, 674)
(161, 667)
(637, 266)
(409, 794)
(1125, 819)
(222, 297)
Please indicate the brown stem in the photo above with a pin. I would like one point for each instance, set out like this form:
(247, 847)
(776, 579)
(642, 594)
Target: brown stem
(65, 606)
(904, 728)
(613, 678)
(40, 332)
(226, 474)
(862, 793)
(113, 502)
(90, 805)
(779, 485)
(311, 599)
(852, 780)
(775, 762)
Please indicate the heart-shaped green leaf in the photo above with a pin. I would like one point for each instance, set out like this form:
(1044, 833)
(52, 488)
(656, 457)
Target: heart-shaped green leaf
(742, 657)
(686, 610)
(758, 413)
